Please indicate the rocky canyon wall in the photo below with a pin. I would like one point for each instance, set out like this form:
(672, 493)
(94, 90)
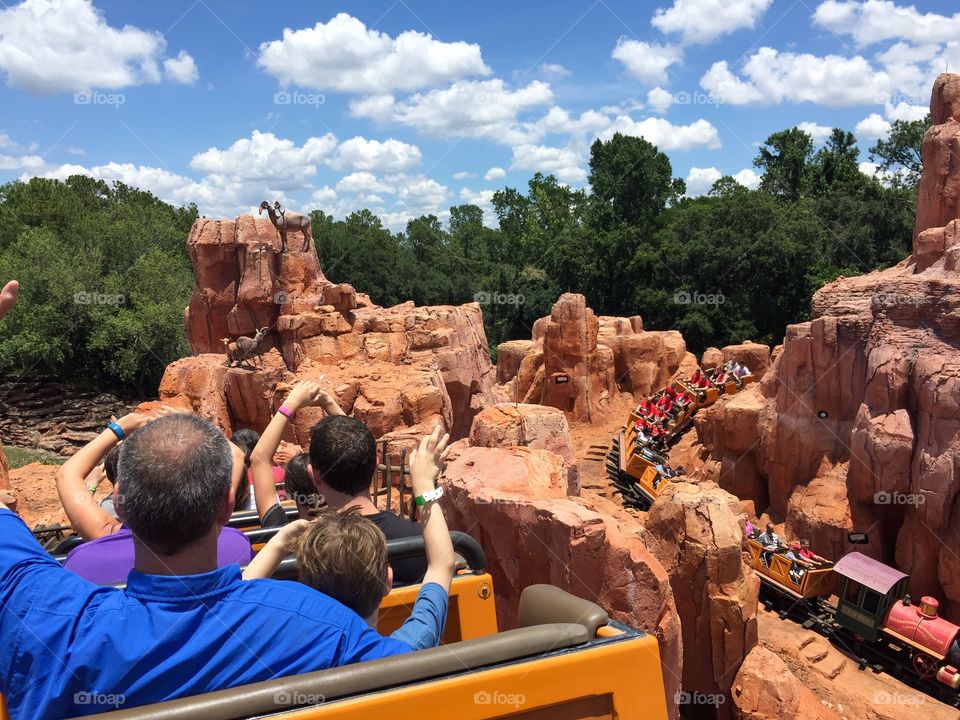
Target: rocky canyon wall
(856, 426)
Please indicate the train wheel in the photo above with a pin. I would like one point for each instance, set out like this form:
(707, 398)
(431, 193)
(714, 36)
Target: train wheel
(924, 665)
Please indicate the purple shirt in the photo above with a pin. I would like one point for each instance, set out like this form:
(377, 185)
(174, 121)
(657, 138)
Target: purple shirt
(108, 560)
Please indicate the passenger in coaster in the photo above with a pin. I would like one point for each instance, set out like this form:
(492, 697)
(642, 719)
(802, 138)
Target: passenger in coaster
(246, 440)
(181, 626)
(298, 484)
(810, 556)
(108, 556)
(344, 555)
(798, 565)
(771, 543)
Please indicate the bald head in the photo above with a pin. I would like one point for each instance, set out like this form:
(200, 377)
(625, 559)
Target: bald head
(173, 475)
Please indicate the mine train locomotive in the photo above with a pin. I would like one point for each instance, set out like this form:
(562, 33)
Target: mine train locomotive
(872, 616)
(637, 463)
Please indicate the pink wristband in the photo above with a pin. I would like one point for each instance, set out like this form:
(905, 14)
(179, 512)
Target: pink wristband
(286, 412)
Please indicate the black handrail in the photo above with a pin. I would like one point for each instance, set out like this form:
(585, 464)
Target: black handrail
(405, 548)
(250, 518)
(397, 549)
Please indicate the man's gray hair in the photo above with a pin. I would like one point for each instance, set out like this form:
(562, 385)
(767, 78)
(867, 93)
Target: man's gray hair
(173, 475)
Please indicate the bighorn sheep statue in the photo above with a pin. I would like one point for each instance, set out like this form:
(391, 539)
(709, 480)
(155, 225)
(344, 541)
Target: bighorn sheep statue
(244, 348)
(284, 221)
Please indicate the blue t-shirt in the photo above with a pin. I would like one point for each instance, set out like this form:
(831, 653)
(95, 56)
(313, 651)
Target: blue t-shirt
(424, 628)
(70, 647)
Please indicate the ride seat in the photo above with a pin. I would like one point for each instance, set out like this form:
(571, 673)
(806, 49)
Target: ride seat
(335, 683)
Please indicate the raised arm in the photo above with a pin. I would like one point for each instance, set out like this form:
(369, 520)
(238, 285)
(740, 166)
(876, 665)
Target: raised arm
(425, 464)
(8, 298)
(303, 394)
(89, 519)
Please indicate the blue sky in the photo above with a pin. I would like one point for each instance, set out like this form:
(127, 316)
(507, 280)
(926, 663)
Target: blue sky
(409, 107)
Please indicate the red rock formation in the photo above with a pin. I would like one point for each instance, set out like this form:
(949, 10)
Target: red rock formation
(696, 532)
(765, 689)
(534, 426)
(603, 360)
(513, 501)
(857, 423)
(397, 369)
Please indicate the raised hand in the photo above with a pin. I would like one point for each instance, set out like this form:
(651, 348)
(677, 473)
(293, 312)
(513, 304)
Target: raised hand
(308, 393)
(8, 297)
(426, 461)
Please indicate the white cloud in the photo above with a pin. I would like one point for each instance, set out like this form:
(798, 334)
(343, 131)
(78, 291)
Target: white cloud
(361, 182)
(479, 109)
(554, 70)
(874, 21)
(775, 77)
(664, 134)
(700, 180)
(659, 99)
(904, 111)
(66, 46)
(375, 107)
(463, 175)
(182, 68)
(344, 55)
(323, 196)
(871, 127)
(263, 157)
(748, 178)
(727, 88)
(648, 62)
(565, 163)
(819, 133)
(495, 173)
(30, 163)
(703, 21)
(76, 150)
(391, 155)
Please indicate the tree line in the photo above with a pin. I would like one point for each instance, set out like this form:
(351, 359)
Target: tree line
(105, 275)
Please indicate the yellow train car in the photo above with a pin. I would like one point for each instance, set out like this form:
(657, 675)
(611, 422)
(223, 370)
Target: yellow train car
(633, 469)
(566, 661)
(774, 569)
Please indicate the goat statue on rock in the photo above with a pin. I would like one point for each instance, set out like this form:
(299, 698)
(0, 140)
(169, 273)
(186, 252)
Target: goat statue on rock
(244, 348)
(284, 221)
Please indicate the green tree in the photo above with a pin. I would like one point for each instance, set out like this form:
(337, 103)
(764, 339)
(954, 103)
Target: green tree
(900, 153)
(784, 159)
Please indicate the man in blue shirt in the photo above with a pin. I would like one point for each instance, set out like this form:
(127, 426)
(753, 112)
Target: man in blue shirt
(182, 626)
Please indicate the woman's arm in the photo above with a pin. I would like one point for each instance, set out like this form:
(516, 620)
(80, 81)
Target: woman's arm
(303, 394)
(89, 519)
